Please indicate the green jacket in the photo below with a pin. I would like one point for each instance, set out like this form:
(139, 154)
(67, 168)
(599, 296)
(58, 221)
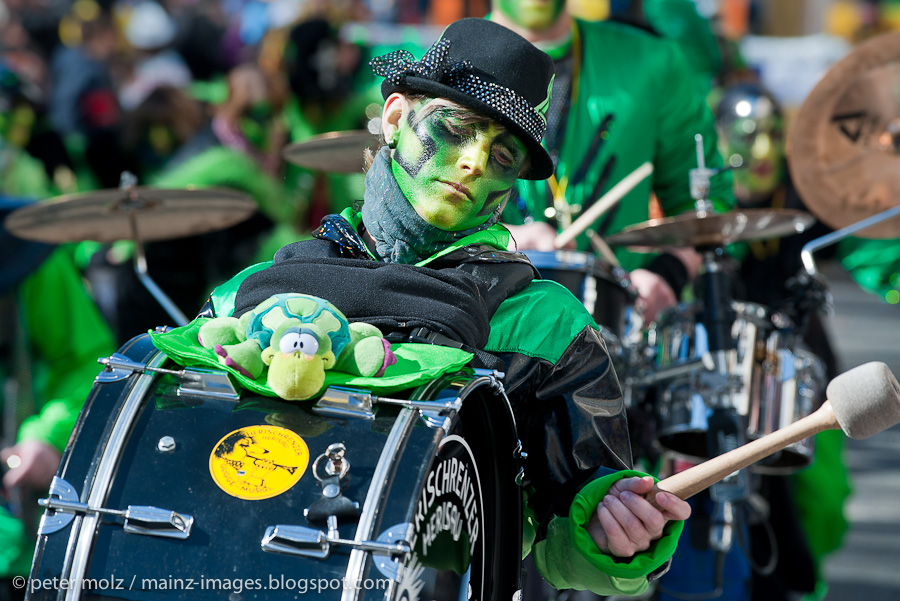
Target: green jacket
(66, 335)
(643, 85)
(548, 380)
(873, 264)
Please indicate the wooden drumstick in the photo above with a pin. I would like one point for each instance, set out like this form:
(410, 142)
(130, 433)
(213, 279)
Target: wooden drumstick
(603, 204)
(862, 402)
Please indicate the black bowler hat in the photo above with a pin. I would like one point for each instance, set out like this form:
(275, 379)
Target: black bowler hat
(488, 68)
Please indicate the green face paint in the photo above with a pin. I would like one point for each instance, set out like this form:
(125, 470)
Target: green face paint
(757, 145)
(535, 15)
(455, 170)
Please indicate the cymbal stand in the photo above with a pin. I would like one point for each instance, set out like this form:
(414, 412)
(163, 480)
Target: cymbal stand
(717, 316)
(131, 203)
(724, 428)
(699, 182)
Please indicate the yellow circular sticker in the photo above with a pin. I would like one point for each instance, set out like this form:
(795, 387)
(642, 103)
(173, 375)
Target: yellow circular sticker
(258, 462)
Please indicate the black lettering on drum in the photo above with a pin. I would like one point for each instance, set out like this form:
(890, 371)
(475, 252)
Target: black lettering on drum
(449, 511)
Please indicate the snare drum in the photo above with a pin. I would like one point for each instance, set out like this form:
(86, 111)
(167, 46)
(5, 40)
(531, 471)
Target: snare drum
(776, 385)
(602, 288)
(173, 486)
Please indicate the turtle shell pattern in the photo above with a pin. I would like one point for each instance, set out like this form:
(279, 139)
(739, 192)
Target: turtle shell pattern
(272, 312)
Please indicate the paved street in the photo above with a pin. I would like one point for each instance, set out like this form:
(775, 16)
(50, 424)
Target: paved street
(867, 567)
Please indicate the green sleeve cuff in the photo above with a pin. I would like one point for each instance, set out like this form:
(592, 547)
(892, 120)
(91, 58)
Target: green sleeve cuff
(52, 426)
(564, 567)
(641, 564)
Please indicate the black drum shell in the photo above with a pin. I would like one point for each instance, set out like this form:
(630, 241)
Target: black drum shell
(224, 545)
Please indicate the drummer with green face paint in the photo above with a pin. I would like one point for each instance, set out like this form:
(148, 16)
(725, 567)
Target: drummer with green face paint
(461, 127)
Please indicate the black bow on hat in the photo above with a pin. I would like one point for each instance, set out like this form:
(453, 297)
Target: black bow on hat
(488, 68)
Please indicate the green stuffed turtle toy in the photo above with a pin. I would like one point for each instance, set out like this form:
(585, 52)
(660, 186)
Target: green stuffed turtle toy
(297, 337)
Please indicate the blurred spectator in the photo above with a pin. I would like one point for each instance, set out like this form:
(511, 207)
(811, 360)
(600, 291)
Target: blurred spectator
(150, 31)
(159, 127)
(83, 99)
(83, 106)
(200, 36)
(20, 173)
(332, 86)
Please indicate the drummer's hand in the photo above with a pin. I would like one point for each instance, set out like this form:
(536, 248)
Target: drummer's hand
(626, 523)
(538, 235)
(38, 463)
(655, 293)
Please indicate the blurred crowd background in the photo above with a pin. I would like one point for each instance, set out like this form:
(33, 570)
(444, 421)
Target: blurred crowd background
(209, 92)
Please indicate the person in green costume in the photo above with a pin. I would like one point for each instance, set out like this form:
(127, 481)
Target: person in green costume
(680, 21)
(804, 519)
(462, 126)
(51, 335)
(332, 89)
(624, 97)
(751, 124)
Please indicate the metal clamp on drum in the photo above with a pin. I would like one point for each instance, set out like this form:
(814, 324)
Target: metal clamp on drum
(195, 381)
(332, 505)
(310, 542)
(63, 505)
(350, 402)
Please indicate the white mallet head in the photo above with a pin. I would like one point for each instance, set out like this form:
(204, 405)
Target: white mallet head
(865, 399)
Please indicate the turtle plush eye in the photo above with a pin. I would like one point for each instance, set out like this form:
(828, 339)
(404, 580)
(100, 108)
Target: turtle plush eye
(304, 342)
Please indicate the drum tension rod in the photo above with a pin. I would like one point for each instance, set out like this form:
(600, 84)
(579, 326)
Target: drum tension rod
(352, 402)
(194, 381)
(139, 519)
(310, 542)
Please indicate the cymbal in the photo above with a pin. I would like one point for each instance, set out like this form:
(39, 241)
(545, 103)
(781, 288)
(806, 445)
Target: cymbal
(844, 147)
(334, 152)
(715, 229)
(103, 215)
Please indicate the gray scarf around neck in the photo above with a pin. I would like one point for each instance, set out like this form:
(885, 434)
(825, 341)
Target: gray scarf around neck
(401, 236)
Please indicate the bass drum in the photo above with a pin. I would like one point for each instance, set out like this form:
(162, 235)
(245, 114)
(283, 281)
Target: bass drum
(175, 487)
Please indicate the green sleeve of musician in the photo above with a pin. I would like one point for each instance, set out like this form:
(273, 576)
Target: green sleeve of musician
(67, 335)
(821, 492)
(568, 558)
(563, 566)
(873, 264)
(679, 20)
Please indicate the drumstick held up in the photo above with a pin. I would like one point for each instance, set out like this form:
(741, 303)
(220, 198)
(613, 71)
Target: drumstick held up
(862, 402)
(603, 204)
